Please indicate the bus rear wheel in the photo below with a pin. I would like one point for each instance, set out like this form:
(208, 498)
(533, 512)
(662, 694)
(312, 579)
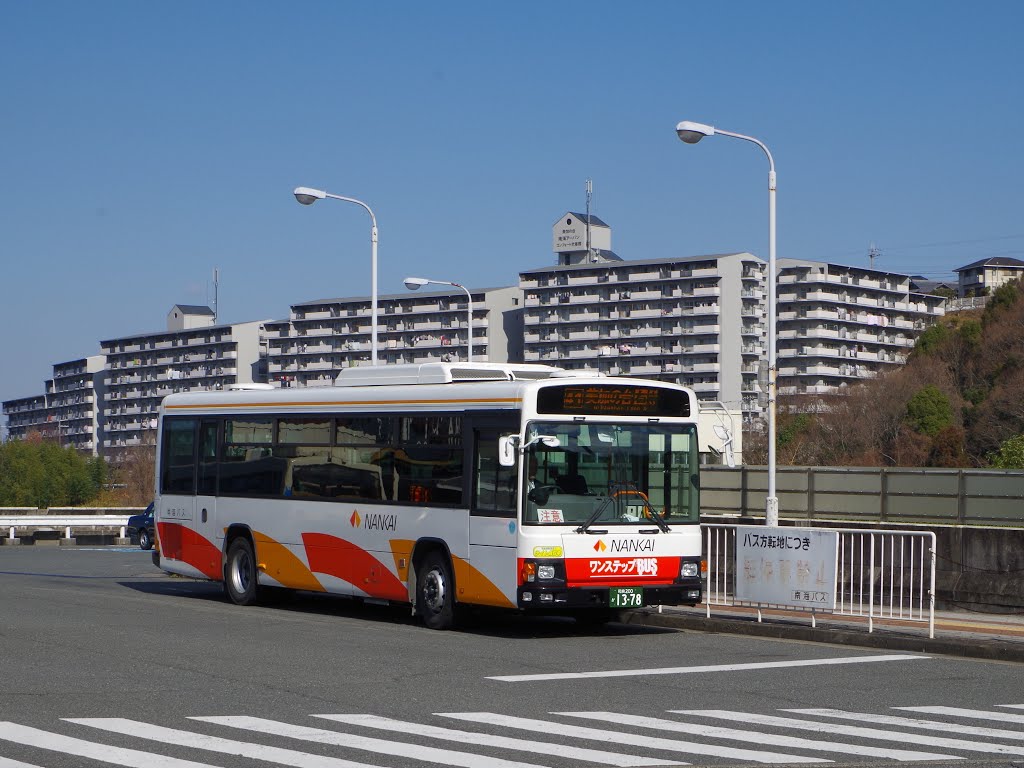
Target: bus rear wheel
(240, 580)
(435, 592)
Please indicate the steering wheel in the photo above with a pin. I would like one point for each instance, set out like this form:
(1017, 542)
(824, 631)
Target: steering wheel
(540, 494)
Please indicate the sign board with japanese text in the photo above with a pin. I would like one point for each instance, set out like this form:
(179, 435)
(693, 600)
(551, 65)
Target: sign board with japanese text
(787, 566)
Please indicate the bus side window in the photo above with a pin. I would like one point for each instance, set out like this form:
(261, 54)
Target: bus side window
(495, 487)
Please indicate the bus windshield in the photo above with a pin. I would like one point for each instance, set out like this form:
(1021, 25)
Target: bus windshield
(611, 474)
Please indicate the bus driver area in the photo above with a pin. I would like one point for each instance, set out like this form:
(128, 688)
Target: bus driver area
(441, 485)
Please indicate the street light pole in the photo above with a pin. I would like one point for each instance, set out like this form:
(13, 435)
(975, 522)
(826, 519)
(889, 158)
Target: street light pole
(308, 196)
(690, 133)
(415, 283)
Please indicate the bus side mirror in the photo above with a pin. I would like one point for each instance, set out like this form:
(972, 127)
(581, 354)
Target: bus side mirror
(507, 450)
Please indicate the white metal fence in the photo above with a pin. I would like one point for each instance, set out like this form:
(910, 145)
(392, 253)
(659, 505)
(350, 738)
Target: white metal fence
(880, 575)
(34, 523)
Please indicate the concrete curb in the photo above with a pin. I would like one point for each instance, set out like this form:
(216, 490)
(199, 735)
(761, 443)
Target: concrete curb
(988, 648)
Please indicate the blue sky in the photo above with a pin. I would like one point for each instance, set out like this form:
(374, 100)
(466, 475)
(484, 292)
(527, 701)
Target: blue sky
(147, 143)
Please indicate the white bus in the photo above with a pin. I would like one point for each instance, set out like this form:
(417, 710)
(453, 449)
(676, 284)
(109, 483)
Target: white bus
(441, 485)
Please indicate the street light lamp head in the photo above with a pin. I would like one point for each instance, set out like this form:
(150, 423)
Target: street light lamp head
(691, 132)
(308, 196)
(414, 283)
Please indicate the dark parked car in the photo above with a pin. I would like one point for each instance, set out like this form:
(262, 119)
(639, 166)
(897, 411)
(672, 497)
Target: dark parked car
(142, 526)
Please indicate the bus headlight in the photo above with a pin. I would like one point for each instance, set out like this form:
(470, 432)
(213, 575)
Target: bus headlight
(545, 572)
(689, 569)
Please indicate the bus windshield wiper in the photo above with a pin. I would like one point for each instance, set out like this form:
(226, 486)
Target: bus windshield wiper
(651, 511)
(595, 515)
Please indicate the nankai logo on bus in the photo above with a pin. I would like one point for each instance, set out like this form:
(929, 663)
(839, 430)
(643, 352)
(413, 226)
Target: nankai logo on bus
(625, 545)
(374, 521)
(632, 545)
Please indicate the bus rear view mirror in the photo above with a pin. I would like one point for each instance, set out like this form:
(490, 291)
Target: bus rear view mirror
(507, 450)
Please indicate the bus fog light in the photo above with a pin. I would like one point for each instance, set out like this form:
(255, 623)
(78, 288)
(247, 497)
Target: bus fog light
(527, 597)
(545, 572)
(547, 597)
(689, 570)
(693, 594)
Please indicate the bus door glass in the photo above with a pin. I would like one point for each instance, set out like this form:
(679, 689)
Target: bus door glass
(206, 481)
(493, 530)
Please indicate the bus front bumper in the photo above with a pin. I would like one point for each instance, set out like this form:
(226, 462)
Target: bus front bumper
(541, 598)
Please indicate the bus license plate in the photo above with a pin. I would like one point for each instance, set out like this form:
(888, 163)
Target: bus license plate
(626, 597)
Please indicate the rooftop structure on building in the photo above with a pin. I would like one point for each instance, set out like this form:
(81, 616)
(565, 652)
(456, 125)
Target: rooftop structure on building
(192, 354)
(582, 238)
(838, 325)
(981, 277)
(323, 337)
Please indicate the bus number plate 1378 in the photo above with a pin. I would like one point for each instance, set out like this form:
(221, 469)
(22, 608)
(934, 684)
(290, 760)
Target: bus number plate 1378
(626, 597)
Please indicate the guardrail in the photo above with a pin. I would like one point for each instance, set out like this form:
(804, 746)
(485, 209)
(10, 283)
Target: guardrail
(68, 522)
(880, 575)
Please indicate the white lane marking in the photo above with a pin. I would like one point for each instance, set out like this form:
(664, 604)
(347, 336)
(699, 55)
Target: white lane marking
(708, 668)
(853, 730)
(1011, 706)
(277, 755)
(353, 741)
(913, 722)
(635, 740)
(132, 758)
(505, 742)
(767, 739)
(977, 714)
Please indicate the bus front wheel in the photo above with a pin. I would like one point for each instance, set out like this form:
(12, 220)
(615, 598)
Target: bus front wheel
(240, 581)
(435, 592)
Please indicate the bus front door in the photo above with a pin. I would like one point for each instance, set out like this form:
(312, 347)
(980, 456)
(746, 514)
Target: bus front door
(206, 497)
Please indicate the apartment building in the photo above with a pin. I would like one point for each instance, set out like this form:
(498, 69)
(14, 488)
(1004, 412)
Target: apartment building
(68, 409)
(838, 325)
(984, 276)
(697, 321)
(322, 337)
(192, 354)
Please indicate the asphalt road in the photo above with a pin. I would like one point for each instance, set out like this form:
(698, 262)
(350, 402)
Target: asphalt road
(106, 660)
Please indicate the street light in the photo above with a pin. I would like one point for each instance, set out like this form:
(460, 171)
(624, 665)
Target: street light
(690, 133)
(415, 283)
(308, 196)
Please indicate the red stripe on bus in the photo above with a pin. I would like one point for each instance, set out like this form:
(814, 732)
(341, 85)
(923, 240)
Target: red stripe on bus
(344, 560)
(180, 543)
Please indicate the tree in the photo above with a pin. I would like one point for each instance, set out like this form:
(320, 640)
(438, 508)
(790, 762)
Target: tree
(1010, 454)
(39, 473)
(929, 411)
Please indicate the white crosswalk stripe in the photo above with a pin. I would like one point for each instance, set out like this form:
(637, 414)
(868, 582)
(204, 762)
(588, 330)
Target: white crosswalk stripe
(913, 722)
(855, 730)
(33, 737)
(977, 714)
(278, 755)
(620, 737)
(633, 740)
(503, 742)
(5, 763)
(353, 741)
(768, 739)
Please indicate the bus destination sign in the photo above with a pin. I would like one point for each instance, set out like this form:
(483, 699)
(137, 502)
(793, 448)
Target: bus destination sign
(613, 400)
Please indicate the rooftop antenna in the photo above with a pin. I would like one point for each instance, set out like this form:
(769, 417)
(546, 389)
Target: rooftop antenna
(873, 253)
(216, 287)
(590, 196)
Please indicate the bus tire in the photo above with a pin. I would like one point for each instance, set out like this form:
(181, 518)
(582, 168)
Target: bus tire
(240, 579)
(435, 591)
